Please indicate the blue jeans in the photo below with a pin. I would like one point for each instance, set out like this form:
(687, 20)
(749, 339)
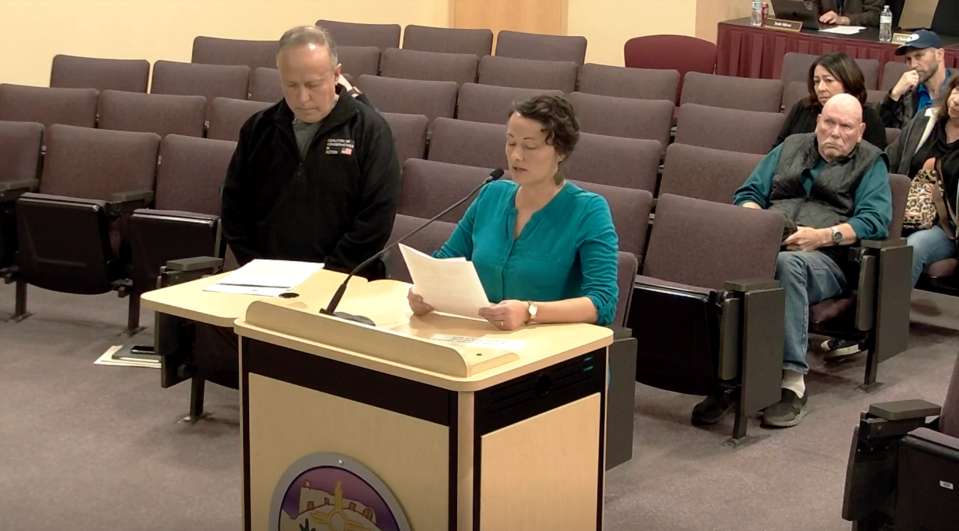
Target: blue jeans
(807, 278)
(929, 246)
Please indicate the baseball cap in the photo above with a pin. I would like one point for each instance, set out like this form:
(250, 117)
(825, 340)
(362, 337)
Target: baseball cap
(920, 40)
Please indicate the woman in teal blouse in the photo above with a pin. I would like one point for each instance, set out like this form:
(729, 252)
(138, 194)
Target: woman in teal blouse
(544, 248)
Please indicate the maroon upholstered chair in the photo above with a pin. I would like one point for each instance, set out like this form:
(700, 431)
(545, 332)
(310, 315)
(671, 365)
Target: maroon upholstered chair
(162, 114)
(217, 51)
(130, 75)
(429, 66)
(622, 162)
(229, 115)
(359, 60)
(409, 134)
(478, 42)
(433, 99)
(528, 73)
(491, 103)
(728, 129)
(209, 81)
(539, 47)
(624, 117)
(704, 173)
(382, 36)
(468, 143)
(48, 106)
(621, 82)
(671, 52)
(762, 95)
(265, 85)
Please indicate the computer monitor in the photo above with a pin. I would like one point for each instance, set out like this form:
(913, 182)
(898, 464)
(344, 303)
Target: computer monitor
(946, 20)
(799, 11)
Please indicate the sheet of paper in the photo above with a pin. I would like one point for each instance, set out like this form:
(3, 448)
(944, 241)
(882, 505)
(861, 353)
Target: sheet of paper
(449, 286)
(843, 30)
(267, 278)
(513, 345)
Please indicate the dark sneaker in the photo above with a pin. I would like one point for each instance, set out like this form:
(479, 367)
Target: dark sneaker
(787, 412)
(715, 407)
(835, 349)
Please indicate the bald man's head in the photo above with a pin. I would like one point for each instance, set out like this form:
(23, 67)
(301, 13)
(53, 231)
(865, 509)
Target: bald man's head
(839, 128)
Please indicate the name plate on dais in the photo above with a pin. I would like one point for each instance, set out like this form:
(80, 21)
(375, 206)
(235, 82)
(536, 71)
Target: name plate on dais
(902, 38)
(782, 25)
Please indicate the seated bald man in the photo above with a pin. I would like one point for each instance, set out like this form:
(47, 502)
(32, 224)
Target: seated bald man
(832, 188)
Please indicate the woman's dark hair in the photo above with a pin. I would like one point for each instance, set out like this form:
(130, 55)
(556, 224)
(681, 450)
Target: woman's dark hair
(845, 70)
(942, 102)
(555, 114)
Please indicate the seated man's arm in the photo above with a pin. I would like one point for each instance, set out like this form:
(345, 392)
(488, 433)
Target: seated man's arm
(379, 199)
(238, 202)
(754, 193)
(869, 16)
(873, 212)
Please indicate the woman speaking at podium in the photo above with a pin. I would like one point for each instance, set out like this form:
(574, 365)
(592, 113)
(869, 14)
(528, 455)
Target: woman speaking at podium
(545, 249)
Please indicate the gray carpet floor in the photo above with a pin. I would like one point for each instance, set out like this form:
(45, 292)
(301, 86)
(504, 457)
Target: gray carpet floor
(89, 447)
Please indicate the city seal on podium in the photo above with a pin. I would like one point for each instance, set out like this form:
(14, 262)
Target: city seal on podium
(332, 492)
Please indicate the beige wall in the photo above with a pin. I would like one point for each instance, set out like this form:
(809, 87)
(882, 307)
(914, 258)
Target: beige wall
(608, 24)
(33, 31)
(709, 13)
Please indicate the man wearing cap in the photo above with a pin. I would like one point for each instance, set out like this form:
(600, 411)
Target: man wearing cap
(920, 85)
(848, 12)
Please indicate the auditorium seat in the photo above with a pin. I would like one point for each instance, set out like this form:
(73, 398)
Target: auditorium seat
(703, 173)
(762, 95)
(101, 74)
(229, 115)
(429, 66)
(671, 52)
(468, 143)
(478, 42)
(891, 72)
(184, 221)
(428, 240)
(409, 134)
(152, 113)
(359, 60)
(539, 47)
(382, 36)
(20, 144)
(728, 129)
(796, 68)
(694, 295)
(624, 117)
(265, 85)
(528, 73)
(892, 134)
(72, 234)
(630, 210)
(875, 97)
(904, 464)
(490, 103)
(621, 82)
(623, 162)
(48, 106)
(875, 311)
(217, 51)
(433, 99)
(209, 81)
(794, 92)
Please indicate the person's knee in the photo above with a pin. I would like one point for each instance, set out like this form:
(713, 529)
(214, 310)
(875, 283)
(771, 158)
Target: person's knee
(788, 265)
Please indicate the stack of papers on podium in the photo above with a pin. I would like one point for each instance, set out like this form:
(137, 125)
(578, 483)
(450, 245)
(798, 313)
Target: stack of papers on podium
(266, 278)
(449, 285)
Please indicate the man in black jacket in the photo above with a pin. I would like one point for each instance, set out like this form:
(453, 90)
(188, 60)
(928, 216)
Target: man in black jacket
(919, 86)
(315, 177)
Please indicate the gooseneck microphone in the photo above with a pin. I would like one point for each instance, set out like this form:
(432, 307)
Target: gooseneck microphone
(335, 301)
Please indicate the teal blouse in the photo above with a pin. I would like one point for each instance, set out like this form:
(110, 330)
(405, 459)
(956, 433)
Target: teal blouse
(566, 250)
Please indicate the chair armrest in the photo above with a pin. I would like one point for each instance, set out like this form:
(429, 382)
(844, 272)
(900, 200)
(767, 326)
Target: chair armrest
(620, 332)
(883, 244)
(643, 280)
(126, 202)
(12, 190)
(195, 263)
(904, 410)
(889, 420)
(753, 284)
(174, 214)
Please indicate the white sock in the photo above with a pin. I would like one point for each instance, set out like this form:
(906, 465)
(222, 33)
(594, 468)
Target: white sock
(793, 381)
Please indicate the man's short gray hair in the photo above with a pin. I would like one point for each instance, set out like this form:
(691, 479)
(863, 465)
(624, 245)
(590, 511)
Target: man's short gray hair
(302, 35)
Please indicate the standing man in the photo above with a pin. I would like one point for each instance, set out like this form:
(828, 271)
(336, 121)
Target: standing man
(920, 85)
(315, 177)
(849, 12)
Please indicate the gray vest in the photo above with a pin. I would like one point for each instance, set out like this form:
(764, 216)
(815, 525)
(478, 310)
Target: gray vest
(832, 199)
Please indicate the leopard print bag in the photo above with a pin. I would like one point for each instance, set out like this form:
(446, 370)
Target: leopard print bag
(921, 212)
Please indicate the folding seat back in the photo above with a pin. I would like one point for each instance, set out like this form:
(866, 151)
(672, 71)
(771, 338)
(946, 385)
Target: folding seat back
(528, 73)
(152, 113)
(891, 72)
(429, 66)
(20, 144)
(217, 51)
(427, 241)
(704, 173)
(48, 106)
(229, 115)
(433, 99)
(624, 117)
(382, 36)
(185, 222)
(490, 103)
(478, 42)
(359, 60)
(621, 82)
(728, 129)
(793, 94)
(613, 161)
(630, 212)
(796, 68)
(539, 47)
(429, 187)
(129, 75)
(209, 81)
(762, 95)
(671, 52)
(265, 85)
(409, 134)
(468, 143)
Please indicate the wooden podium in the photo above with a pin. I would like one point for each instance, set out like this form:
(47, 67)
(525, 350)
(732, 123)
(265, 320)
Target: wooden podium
(352, 427)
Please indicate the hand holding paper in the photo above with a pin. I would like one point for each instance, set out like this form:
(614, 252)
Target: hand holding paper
(447, 285)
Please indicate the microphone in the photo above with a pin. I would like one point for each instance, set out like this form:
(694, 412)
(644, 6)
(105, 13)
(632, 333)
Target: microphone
(335, 301)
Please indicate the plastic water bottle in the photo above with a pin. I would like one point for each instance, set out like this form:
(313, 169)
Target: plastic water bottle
(756, 18)
(885, 25)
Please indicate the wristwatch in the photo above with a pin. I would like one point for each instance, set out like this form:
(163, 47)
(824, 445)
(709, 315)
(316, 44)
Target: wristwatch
(533, 310)
(836, 235)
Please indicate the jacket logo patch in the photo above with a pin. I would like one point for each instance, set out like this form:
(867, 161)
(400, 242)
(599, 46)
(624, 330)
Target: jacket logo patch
(339, 146)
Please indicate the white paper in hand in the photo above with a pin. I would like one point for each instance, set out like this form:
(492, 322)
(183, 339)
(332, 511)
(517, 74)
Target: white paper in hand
(266, 277)
(448, 285)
